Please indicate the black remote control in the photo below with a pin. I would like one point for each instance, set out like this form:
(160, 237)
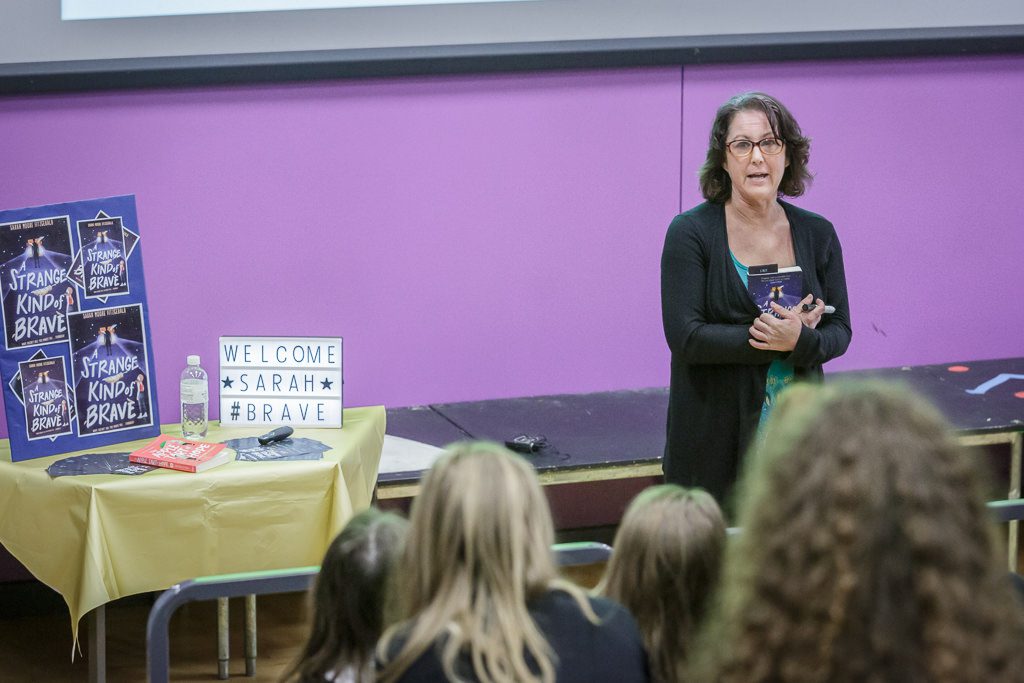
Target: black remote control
(526, 444)
(279, 434)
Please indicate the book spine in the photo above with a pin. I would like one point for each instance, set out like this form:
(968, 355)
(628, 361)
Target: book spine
(157, 462)
(143, 460)
(180, 466)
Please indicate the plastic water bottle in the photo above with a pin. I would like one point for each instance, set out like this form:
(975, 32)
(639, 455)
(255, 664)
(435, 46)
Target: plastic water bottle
(195, 400)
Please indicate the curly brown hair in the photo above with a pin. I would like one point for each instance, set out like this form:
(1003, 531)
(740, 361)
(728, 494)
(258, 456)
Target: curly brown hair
(666, 564)
(867, 553)
(714, 180)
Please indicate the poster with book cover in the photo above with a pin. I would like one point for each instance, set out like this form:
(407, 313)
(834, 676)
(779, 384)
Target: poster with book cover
(105, 268)
(46, 396)
(108, 354)
(77, 356)
(35, 256)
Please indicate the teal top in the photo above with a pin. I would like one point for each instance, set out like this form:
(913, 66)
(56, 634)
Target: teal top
(780, 373)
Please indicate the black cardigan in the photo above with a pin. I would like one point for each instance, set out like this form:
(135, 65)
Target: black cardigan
(718, 378)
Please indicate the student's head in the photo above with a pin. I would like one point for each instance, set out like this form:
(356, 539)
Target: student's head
(665, 565)
(479, 548)
(866, 551)
(480, 521)
(350, 599)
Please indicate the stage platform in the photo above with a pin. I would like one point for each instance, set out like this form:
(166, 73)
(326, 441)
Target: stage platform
(621, 434)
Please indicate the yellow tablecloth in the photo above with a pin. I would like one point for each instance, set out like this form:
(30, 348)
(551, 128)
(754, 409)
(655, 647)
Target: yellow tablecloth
(96, 538)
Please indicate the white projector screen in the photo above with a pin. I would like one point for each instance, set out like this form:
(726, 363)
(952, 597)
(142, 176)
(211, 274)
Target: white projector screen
(32, 30)
(123, 9)
(40, 51)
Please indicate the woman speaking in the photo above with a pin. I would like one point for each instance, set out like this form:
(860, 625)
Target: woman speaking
(729, 359)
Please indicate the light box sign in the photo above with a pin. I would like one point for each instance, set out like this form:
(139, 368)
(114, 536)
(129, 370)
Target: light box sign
(281, 381)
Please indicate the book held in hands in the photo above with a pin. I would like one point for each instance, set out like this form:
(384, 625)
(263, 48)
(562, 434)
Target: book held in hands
(186, 455)
(770, 283)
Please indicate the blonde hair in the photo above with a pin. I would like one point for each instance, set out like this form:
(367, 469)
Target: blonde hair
(867, 553)
(666, 562)
(478, 550)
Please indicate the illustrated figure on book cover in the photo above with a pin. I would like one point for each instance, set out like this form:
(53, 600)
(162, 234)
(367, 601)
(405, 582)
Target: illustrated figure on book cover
(141, 396)
(34, 260)
(108, 355)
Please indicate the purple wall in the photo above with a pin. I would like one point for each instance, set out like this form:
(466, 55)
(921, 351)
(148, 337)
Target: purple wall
(487, 236)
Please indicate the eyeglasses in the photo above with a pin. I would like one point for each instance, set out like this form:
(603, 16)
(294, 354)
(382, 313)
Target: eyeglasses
(744, 148)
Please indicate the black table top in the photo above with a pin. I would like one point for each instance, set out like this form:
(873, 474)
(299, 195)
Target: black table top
(977, 397)
(423, 423)
(628, 427)
(582, 430)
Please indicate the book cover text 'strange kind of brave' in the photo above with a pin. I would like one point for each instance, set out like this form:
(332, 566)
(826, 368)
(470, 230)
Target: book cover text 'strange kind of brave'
(77, 360)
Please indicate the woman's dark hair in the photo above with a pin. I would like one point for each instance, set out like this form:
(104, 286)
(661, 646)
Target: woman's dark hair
(350, 599)
(715, 184)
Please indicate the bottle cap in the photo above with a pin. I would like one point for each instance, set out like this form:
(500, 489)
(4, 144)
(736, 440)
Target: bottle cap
(192, 360)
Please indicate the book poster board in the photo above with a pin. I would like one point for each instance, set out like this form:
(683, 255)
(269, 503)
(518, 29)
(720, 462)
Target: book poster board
(77, 356)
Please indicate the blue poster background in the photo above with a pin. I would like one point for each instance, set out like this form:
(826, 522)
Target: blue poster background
(21, 448)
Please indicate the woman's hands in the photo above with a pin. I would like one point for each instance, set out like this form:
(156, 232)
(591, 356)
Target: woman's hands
(781, 334)
(813, 317)
(778, 334)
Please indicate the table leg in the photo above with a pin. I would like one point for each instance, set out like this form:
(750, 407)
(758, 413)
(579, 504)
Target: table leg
(223, 635)
(98, 645)
(1016, 441)
(1015, 464)
(250, 635)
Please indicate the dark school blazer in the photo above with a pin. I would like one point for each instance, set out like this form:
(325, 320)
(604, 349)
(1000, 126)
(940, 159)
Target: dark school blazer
(611, 651)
